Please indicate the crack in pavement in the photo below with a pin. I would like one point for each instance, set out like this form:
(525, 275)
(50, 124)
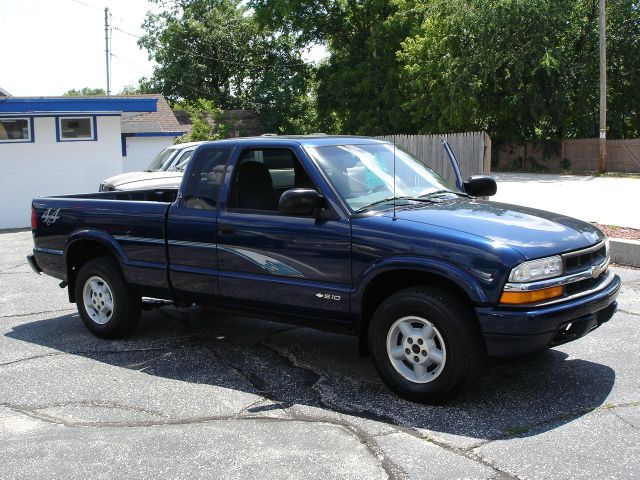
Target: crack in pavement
(393, 471)
(87, 353)
(35, 357)
(35, 410)
(6, 270)
(466, 453)
(524, 430)
(19, 315)
(629, 313)
(624, 420)
(261, 386)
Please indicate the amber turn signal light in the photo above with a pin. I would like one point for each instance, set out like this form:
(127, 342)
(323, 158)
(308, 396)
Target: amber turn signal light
(514, 298)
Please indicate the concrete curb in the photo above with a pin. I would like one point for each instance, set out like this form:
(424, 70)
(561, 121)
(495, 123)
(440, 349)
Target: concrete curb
(625, 252)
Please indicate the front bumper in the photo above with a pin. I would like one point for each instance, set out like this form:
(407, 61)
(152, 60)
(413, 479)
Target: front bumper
(511, 331)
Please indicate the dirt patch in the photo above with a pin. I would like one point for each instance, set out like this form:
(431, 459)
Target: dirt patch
(612, 231)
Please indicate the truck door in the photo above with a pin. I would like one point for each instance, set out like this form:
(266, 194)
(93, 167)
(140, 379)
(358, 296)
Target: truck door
(290, 264)
(191, 226)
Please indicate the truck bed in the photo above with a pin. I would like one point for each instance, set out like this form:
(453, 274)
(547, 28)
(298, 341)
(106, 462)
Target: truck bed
(131, 224)
(167, 195)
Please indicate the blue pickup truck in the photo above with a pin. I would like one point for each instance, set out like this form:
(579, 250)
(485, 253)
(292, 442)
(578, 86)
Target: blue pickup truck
(348, 234)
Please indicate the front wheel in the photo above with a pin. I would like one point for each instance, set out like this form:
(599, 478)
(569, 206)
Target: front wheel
(106, 305)
(426, 344)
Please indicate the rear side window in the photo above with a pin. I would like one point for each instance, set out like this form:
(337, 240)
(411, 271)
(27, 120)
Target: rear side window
(205, 177)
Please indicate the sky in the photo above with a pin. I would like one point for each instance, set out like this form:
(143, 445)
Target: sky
(52, 46)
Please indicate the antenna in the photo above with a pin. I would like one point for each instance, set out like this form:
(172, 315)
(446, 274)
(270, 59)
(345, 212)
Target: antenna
(394, 178)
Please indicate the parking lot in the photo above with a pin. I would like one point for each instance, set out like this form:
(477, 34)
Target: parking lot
(198, 395)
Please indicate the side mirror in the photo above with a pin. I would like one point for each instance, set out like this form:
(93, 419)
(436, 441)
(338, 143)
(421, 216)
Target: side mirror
(480, 186)
(300, 201)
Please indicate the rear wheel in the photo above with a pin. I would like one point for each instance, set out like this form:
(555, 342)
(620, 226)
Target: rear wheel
(106, 305)
(426, 344)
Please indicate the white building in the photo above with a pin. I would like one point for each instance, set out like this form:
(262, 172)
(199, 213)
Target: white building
(61, 145)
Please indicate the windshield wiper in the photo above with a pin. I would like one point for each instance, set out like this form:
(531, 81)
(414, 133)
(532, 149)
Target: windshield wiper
(390, 199)
(440, 192)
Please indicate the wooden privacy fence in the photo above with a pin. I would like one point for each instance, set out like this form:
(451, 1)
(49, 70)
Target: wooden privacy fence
(472, 150)
(576, 155)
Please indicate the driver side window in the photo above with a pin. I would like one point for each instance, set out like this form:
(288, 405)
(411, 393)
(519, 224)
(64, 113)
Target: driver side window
(261, 177)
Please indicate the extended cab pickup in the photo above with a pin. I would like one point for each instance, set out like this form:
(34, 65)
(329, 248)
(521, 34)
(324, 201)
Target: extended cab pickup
(316, 231)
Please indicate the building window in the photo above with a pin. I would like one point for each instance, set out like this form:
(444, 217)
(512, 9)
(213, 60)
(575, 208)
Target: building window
(16, 130)
(76, 128)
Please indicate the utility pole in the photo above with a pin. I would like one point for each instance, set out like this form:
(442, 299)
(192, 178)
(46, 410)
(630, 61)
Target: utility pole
(106, 43)
(603, 89)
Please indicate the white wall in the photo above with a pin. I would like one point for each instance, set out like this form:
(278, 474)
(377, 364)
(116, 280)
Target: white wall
(142, 150)
(47, 167)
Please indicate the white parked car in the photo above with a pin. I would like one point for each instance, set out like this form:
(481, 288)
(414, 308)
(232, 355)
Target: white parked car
(164, 172)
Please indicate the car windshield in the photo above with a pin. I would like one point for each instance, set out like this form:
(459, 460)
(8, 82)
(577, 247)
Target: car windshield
(162, 161)
(363, 174)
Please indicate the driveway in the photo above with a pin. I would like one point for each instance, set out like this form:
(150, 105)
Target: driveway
(604, 200)
(197, 395)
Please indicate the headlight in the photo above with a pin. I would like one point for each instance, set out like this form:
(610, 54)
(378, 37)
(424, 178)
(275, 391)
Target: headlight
(537, 270)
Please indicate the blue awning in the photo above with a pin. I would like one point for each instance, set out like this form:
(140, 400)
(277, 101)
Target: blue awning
(27, 105)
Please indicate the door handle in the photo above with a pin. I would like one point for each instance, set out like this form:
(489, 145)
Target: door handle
(226, 230)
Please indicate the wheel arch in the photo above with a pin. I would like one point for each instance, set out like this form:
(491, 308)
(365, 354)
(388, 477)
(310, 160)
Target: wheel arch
(85, 246)
(395, 276)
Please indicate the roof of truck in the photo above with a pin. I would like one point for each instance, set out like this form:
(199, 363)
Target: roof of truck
(317, 140)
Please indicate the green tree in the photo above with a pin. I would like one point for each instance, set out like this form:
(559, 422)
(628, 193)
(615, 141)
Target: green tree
(520, 69)
(131, 90)
(83, 92)
(488, 64)
(357, 88)
(215, 50)
(205, 121)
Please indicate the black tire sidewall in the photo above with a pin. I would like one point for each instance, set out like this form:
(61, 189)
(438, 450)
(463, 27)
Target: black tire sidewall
(451, 321)
(126, 307)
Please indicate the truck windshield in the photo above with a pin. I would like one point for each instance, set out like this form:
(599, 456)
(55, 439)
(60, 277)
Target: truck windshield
(363, 174)
(162, 161)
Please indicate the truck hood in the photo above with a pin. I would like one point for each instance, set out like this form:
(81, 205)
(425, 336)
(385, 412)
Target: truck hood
(533, 233)
(144, 180)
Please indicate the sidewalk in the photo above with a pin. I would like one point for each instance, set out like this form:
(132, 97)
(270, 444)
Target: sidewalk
(603, 200)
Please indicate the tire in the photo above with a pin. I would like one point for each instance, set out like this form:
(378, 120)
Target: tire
(105, 303)
(426, 344)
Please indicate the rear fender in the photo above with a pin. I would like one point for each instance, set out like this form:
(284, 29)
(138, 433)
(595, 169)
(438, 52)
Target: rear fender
(101, 238)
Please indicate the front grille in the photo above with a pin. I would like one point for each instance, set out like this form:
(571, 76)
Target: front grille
(593, 262)
(577, 261)
(582, 285)
(586, 272)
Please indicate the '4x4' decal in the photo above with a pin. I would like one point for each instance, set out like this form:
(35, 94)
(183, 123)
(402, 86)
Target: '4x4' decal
(51, 216)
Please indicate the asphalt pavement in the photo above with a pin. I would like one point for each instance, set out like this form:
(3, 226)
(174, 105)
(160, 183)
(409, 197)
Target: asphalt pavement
(196, 395)
(604, 200)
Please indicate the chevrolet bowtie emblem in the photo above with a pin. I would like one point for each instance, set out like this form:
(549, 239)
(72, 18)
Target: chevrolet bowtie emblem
(596, 271)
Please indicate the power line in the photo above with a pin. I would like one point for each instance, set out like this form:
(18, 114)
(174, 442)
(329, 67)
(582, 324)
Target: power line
(86, 4)
(122, 59)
